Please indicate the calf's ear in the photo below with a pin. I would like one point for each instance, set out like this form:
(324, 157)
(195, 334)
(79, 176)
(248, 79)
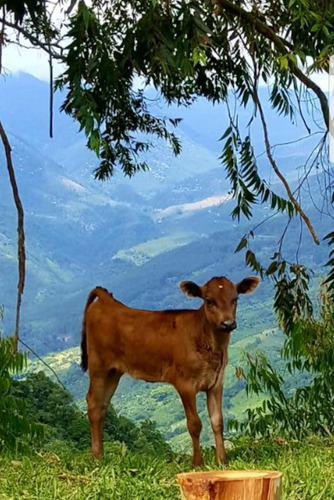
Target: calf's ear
(191, 289)
(248, 285)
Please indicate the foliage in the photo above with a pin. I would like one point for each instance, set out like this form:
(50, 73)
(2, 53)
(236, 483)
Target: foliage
(308, 350)
(22, 8)
(49, 404)
(16, 426)
(145, 438)
(100, 93)
(61, 474)
(247, 186)
(183, 49)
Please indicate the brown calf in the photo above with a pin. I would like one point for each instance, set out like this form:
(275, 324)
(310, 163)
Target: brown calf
(185, 348)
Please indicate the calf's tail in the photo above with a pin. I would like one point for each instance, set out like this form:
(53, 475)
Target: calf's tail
(100, 293)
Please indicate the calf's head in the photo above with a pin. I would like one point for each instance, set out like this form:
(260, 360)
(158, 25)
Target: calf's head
(220, 298)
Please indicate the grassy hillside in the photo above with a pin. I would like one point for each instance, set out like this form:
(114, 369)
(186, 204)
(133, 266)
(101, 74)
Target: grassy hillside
(61, 474)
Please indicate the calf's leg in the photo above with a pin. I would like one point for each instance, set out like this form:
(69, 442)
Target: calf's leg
(214, 403)
(101, 390)
(194, 424)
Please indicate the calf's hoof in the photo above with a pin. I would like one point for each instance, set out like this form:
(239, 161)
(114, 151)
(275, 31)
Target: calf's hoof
(98, 455)
(222, 460)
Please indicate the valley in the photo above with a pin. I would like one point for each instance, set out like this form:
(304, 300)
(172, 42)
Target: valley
(139, 238)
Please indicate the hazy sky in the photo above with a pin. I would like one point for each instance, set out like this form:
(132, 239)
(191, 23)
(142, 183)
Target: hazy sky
(35, 62)
(31, 61)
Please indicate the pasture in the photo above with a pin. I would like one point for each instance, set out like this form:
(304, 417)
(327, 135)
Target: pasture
(61, 474)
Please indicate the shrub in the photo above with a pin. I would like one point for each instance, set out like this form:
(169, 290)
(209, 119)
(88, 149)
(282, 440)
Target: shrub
(308, 352)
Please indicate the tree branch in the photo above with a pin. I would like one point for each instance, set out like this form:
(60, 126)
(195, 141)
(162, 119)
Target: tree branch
(71, 7)
(20, 231)
(281, 46)
(35, 41)
(278, 172)
(2, 39)
(48, 39)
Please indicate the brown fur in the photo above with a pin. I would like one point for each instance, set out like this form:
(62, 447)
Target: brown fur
(185, 348)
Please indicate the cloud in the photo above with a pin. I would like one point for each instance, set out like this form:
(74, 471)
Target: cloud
(32, 61)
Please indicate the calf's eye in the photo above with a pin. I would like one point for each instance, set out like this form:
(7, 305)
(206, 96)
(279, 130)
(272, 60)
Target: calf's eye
(211, 302)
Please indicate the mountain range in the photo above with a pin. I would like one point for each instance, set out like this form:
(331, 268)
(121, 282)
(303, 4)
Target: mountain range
(123, 233)
(137, 237)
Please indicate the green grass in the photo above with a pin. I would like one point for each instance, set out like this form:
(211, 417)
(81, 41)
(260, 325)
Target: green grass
(60, 473)
(143, 252)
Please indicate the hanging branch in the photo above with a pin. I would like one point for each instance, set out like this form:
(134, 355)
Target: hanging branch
(48, 40)
(2, 35)
(51, 96)
(258, 106)
(277, 170)
(20, 214)
(20, 231)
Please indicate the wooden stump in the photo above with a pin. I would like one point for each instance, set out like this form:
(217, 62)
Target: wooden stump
(231, 485)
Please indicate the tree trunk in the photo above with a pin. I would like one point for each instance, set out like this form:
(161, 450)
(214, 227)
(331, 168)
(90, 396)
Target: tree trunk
(230, 485)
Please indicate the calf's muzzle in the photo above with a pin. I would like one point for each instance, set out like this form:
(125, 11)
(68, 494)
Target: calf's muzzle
(228, 325)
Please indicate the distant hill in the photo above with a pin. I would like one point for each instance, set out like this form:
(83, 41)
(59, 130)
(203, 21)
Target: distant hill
(139, 236)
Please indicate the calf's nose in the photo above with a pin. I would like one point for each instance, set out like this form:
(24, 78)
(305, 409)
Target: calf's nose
(229, 324)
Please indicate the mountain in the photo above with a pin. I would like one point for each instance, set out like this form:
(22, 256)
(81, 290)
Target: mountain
(138, 237)
(167, 224)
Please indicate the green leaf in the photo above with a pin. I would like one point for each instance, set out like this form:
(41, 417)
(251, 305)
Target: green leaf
(242, 244)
